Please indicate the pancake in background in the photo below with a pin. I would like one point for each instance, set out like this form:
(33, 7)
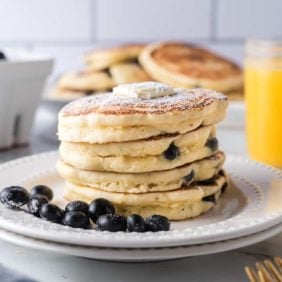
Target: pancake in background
(104, 58)
(86, 81)
(123, 73)
(188, 66)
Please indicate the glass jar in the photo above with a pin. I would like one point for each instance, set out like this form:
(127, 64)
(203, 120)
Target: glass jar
(263, 92)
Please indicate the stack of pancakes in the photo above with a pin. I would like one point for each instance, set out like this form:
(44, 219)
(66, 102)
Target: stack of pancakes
(149, 155)
(179, 64)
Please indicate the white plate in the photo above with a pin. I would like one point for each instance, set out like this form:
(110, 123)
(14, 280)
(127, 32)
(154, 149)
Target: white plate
(135, 255)
(254, 206)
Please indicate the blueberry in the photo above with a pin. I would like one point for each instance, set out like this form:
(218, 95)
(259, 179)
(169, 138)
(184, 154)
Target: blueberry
(77, 206)
(224, 187)
(209, 181)
(189, 177)
(43, 191)
(210, 198)
(136, 223)
(111, 222)
(51, 212)
(2, 56)
(76, 219)
(35, 203)
(212, 144)
(172, 152)
(100, 207)
(14, 196)
(157, 223)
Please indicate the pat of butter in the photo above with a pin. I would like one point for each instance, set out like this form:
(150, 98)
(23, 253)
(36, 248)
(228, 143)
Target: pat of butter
(143, 90)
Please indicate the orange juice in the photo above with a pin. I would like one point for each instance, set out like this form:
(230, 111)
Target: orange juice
(263, 90)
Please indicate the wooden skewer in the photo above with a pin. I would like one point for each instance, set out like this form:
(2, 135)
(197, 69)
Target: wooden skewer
(278, 261)
(251, 274)
(264, 271)
(273, 269)
(261, 276)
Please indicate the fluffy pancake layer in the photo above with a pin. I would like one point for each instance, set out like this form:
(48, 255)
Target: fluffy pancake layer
(188, 66)
(143, 155)
(176, 205)
(106, 118)
(144, 182)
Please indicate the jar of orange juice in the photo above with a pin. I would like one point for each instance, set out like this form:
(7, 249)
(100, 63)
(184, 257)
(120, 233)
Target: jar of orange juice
(263, 92)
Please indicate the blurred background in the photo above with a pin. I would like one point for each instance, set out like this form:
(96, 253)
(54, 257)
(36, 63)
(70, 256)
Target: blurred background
(66, 28)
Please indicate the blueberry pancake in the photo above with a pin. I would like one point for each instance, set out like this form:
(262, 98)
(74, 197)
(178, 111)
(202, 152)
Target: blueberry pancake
(189, 66)
(144, 182)
(151, 154)
(113, 117)
(179, 204)
(146, 147)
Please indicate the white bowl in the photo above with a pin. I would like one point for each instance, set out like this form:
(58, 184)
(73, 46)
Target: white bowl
(21, 83)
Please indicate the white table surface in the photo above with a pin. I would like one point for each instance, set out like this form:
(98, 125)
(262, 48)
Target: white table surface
(227, 266)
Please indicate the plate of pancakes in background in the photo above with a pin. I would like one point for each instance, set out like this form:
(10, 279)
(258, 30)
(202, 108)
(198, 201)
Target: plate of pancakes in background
(178, 64)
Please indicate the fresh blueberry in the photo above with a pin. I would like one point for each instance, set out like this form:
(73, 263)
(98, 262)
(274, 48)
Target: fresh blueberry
(172, 152)
(14, 196)
(212, 144)
(157, 223)
(35, 203)
(210, 198)
(100, 207)
(136, 223)
(77, 206)
(111, 222)
(76, 219)
(209, 181)
(189, 177)
(2, 56)
(51, 212)
(43, 191)
(224, 187)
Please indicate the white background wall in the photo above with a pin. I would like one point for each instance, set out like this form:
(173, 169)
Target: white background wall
(66, 28)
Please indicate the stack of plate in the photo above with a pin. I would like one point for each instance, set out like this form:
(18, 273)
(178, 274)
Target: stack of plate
(249, 212)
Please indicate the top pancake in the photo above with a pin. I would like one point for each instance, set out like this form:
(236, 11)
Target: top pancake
(188, 66)
(111, 118)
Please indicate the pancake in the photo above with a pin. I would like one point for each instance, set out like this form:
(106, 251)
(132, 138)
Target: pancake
(104, 58)
(128, 73)
(146, 147)
(86, 81)
(178, 204)
(65, 94)
(188, 66)
(144, 182)
(109, 118)
(184, 151)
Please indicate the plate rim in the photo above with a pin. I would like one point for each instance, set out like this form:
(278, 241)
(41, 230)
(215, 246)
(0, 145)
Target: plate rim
(151, 254)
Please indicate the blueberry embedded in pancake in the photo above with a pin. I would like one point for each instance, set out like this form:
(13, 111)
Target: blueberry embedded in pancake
(172, 152)
(212, 143)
